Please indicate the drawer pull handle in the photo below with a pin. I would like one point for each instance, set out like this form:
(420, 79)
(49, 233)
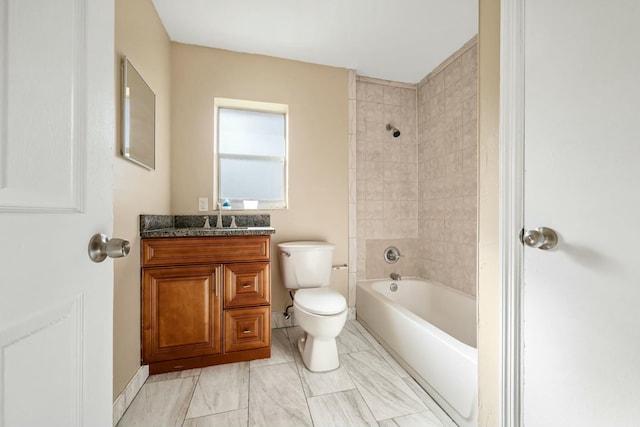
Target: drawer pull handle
(246, 286)
(246, 331)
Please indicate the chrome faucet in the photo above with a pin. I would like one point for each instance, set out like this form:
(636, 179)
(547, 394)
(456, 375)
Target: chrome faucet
(395, 276)
(219, 220)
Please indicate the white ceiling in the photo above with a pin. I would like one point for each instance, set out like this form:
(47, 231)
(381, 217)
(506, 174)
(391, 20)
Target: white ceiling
(400, 40)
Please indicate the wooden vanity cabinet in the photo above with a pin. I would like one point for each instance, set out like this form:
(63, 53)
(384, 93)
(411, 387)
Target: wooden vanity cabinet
(205, 301)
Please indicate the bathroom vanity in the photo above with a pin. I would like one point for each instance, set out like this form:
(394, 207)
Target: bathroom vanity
(206, 297)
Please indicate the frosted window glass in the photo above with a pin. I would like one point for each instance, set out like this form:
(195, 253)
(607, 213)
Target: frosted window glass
(245, 179)
(251, 157)
(251, 133)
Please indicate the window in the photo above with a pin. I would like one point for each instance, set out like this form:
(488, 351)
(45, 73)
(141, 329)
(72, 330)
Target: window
(251, 154)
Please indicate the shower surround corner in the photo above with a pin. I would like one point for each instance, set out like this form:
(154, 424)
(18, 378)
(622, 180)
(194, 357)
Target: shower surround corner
(418, 191)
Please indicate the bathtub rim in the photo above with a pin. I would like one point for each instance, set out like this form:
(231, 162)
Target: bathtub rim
(419, 279)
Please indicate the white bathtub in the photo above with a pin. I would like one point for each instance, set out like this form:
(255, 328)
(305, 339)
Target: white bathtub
(431, 330)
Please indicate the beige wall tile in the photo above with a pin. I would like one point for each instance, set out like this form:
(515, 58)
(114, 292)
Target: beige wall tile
(452, 73)
(374, 209)
(361, 186)
(374, 151)
(370, 111)
(420, 189)
(400, 209)
(353, 152)
(361, 91)
(361, 243)
(400, 229)
(453, 185)
(352, 85)
(391, 95)
(469, 184)
(447, 168)
(374, 190)
(470, 109)
(470, 160)
(375, 93)
(353, 221)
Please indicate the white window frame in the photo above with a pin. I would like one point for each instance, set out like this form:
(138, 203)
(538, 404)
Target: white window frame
(263, 107)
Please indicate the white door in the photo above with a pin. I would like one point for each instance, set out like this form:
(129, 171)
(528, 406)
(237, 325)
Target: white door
(582, 178)
(56, 146)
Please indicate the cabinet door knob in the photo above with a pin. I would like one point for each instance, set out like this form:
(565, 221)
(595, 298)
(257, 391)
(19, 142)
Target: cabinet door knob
(246, 331)
(246, 286)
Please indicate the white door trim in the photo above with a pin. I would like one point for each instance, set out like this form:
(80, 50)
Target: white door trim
(511, 199)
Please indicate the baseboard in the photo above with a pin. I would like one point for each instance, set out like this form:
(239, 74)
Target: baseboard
(124, 399)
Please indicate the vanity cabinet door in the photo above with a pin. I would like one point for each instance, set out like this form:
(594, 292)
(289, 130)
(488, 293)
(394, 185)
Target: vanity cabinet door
(246, 284)
(181, 313)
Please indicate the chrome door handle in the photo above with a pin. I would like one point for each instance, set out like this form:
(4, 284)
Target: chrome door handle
(101, 247)
(541, 238)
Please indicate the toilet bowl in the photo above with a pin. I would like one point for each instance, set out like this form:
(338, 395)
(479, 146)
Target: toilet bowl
(322, 314)
(321, 311)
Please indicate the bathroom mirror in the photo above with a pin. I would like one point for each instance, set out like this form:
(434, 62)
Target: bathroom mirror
(138, 118)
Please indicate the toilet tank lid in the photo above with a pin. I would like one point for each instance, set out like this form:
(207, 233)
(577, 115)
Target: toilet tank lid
(306, 244)
(324, 301)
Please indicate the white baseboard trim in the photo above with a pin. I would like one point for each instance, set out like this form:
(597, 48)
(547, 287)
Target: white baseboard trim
(124, 399)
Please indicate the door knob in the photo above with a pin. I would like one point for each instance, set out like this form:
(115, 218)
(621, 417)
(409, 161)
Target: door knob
(541, 238)
(101, 247)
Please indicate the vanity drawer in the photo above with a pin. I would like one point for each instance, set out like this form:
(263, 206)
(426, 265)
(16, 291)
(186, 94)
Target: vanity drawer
(246, 284)
(203, 250)
(247, 329)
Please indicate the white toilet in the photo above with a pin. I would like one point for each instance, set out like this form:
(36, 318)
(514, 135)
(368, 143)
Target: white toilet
(320, 311)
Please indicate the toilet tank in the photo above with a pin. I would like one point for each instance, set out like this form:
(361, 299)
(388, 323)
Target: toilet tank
(305, 264)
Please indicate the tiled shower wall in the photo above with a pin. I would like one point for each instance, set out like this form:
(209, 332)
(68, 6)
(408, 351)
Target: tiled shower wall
(447, 165)
(418, 191)
(386, 177)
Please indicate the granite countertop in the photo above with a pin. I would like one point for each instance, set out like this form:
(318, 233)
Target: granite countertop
(193, 226)
(203, 232)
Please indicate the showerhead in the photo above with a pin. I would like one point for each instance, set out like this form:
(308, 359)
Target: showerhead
(396, 132)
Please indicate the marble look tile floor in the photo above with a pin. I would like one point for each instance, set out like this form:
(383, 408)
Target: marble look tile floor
(368, 389)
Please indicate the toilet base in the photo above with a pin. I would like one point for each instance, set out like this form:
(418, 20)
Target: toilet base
(319, 354)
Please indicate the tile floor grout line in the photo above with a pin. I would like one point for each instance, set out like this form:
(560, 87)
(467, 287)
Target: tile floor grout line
(193, 392)
(306, 399)
(249, 393)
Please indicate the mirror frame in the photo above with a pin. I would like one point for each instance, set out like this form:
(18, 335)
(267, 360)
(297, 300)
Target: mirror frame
(138, 118)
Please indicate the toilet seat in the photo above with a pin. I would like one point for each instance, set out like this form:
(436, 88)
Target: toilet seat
(323, 301)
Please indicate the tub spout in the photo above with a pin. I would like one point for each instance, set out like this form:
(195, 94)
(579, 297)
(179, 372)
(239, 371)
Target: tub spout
(395, 276)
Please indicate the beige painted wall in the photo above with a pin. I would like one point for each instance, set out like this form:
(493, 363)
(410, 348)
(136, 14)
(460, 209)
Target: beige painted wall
(139, 35)
(317, 97)
(488, 215)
